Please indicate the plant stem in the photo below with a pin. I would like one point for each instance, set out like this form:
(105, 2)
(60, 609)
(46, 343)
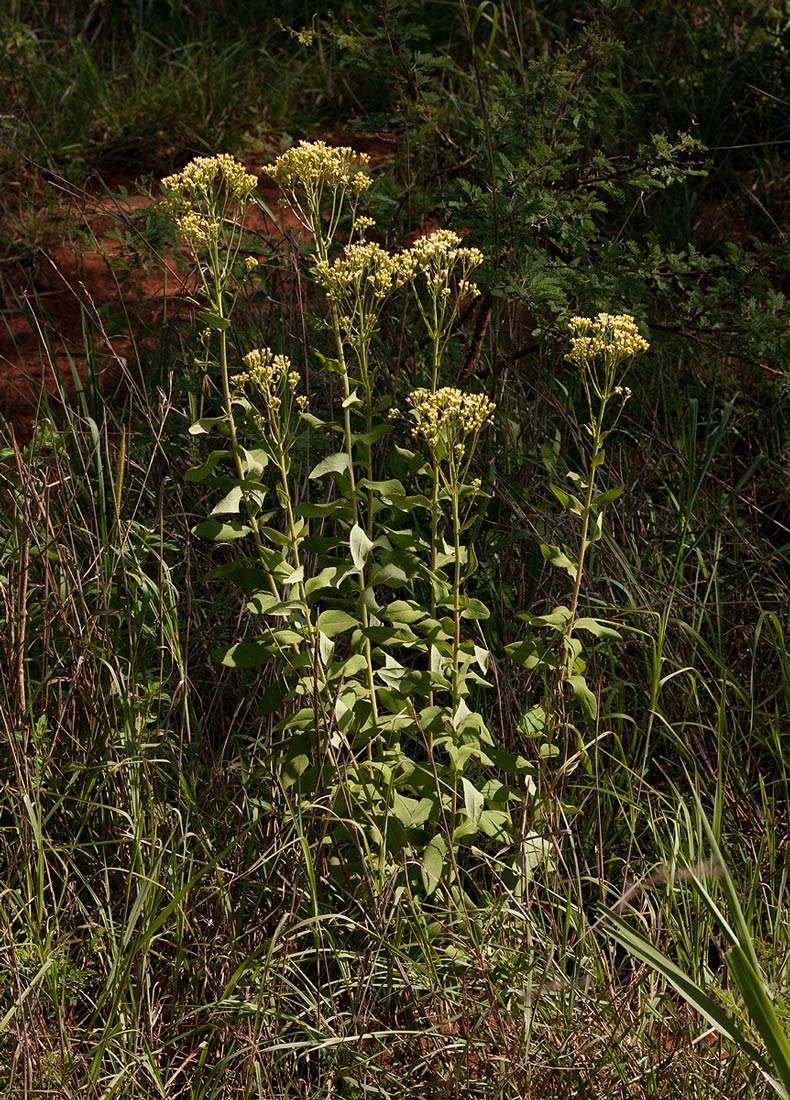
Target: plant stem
(456, 594)
(234, 440)
(584, 543)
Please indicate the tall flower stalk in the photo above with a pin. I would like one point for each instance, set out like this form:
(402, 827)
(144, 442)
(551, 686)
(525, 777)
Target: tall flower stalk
(207, 201)
(323, 184)
(438, 267)
(448, 423)
(602, 347)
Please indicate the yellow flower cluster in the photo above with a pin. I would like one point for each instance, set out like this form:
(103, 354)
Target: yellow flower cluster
(196, 229)
(364, 268)
(447, 417)
(205, 180)
(198, 197)
(614, 337)
(265, 371)
(440, 256)
(314, 163)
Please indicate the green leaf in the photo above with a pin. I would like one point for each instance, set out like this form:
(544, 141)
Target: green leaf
(385, 489)
(360, 546)
(433, 863)
(200, 473)
(473, 801)
(352, 400)
(213, 320)
(607, 497)
(404, 611)
(333, 623)
(331, 576)
(567, 500)
(332, 464)
(473, 609)
(295, 576)
(246, 655)
(206, 423)
(584, 695)
(411, 811)
(230, 503)
(216, 530)
(354, 665)
(255, 462)
(297, 762)
(533, 722)
(596, 627)
(556, 557)
(312, 421)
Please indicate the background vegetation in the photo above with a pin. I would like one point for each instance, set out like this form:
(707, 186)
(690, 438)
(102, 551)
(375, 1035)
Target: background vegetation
(170, 924)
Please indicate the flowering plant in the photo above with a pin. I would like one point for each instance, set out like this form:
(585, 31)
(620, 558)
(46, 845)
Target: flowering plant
(359, 567)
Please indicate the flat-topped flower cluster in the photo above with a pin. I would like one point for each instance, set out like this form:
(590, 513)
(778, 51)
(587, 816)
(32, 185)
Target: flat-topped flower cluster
(265, 372)
(207, 178)
(361, 268)
(614, 336)
(448, 417)
(201, 195)
(312, 163)
(440, 255)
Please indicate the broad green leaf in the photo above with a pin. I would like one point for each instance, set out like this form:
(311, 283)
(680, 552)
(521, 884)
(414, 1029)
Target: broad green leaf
(533, 722)
(473, 800)
(246, 655)
(331, 576)
(263, 603)
(206, 423)
(332, 623)
(312, 421)
(354, 665)
(495, 824)
(411, 811)
(607, 497)
(556, 557)
(474, 609)
(352, 400)
(200, 473)
(332, 464)
(230, 503)
(596, 627)
(255, 462)
(433, 863)
(213, 320)
(384, 489)
(360, 546)
(584, 695)
(216, 530)
(567, 500)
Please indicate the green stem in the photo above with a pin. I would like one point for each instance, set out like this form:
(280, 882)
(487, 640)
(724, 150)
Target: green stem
(234, 439)
(323, 253)
(456, 595)
(584, 541)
